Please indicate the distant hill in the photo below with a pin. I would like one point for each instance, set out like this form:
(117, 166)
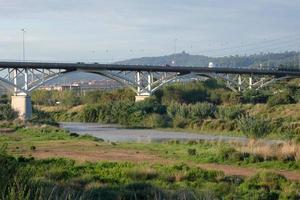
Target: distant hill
(185, 59)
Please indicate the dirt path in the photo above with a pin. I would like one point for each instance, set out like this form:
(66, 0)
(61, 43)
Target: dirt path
(100, 155)
(117, 155)
(83, 151)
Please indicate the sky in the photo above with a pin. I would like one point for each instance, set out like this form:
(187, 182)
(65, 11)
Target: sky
(113, 30)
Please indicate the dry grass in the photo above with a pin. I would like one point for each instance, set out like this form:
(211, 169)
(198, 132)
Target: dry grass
(280, 151)
(50, 108)
(290, 111)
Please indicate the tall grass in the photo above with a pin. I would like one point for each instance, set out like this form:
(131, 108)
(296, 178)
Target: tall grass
(288, 151)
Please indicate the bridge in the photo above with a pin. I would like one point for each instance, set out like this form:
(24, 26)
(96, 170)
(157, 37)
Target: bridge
(21, 78)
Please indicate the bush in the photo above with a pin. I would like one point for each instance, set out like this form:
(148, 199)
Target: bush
(70, 98)
(4, 99)
(231, 98)
(33, 148)
(90, 114)
(202, 110)
(265, 180)
(254, 127)
(149, 105)
(280, 99)
(7, 113)
(142, 174)
(155, 121)
(184, 93)
(192, 152)
(255, 96)
(180, 122)
(218, 124)
(230, 112)
(191, 111)
(225, 152)
(74, 135)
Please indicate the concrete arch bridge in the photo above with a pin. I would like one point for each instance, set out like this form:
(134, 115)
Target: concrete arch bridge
(21, 78)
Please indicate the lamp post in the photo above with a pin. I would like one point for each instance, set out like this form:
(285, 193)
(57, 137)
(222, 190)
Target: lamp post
(26, 70)
(23, 31)
(175, 51)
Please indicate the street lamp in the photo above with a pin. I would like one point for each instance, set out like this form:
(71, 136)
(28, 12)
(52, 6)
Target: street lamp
(26, 70)
(175, 51)
(23, 31)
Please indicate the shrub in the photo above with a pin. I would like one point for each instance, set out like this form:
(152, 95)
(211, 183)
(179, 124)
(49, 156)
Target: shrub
(4, 99)
(184, 93)
(191, 111)
(255, 96)
(279, 99)
(7, 113)
(180, 122)
(192, 152)
(230, 97)
(150, 105)
(254, 127)
(265, 180)
(70, 98)
(219, 124)
(142, 174)
(90, 114)
(230, 112)
(202, 110)
(33, 148)
(155, 121)
(74, 134)
(43, 97)
(225, 152)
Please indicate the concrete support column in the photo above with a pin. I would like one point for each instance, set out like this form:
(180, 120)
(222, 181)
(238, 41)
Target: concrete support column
(143, 92)
(22, 104)
(26, 79)
(150, 81)
(240, 83)
(138, 80)
(15, 79)
(250, 82)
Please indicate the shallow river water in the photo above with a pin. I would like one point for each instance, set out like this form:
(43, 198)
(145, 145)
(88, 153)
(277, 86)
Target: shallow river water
(116, 133)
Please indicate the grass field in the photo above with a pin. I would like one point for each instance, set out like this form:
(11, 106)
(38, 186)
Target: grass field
(47, 141)
(69, 165)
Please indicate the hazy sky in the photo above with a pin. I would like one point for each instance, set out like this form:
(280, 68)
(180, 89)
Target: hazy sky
(106, 30)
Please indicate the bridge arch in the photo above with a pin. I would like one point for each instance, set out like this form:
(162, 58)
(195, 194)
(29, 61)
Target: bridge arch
(10, 86)
(142, 83)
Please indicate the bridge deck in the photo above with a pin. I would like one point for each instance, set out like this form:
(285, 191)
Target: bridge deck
(150, 68)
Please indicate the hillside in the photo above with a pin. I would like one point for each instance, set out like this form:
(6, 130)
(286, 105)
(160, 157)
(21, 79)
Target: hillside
(185, 59)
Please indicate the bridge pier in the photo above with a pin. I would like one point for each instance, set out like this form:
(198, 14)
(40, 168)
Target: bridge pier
(22, 104)
(141, 97)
